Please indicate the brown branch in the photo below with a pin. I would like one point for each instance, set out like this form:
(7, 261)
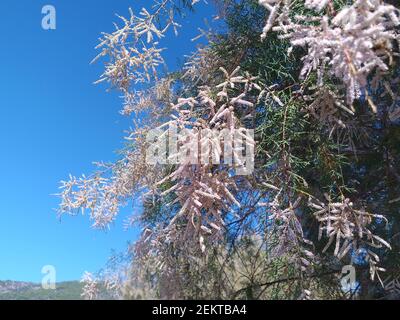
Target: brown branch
(270, 283)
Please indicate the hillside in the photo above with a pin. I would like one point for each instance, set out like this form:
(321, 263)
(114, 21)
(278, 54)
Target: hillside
(16, 290)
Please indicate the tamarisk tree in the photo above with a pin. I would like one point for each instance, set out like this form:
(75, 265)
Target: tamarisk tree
(317, 81)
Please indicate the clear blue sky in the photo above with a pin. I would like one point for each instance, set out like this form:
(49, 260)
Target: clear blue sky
(54, 121)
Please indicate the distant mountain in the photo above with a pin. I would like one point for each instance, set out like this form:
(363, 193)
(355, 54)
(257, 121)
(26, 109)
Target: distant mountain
(16, 290)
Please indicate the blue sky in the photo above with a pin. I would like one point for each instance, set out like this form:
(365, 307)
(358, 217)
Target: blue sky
(54, 121)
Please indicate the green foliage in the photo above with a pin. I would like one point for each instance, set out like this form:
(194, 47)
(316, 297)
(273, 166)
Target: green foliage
(313, 151)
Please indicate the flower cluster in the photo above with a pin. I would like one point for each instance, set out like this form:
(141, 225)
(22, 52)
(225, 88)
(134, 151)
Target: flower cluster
(205, 189)
(349, 229)
(350, 44)
(133, 48)
(90, 289)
